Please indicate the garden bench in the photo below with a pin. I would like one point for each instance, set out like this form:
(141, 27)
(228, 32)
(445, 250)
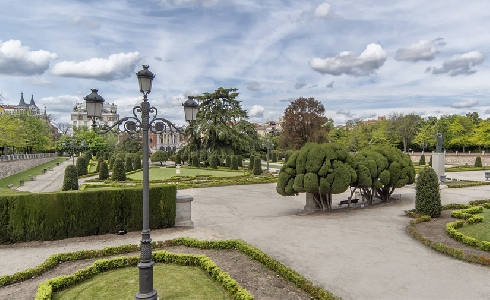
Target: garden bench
(487, 175)
(10, 186)
(32, 178)
(352, 201)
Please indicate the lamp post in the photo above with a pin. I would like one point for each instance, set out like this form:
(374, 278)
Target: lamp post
(268, 145)
(72, 148)
(190, 111)
(148, 121)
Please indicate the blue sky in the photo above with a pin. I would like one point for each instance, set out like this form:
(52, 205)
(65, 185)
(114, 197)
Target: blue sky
(361, 59)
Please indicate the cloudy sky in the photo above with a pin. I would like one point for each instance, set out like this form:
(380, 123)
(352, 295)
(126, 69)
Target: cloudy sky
(361, 59)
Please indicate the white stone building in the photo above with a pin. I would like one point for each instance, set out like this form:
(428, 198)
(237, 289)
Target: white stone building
(79, 115)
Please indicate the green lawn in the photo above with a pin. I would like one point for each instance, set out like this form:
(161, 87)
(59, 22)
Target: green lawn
(167, 173)
(16, 178)
(480, 231)
(170, 281)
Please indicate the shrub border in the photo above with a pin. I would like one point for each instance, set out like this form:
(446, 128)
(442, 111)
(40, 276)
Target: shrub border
(288, 274)
(453, 252)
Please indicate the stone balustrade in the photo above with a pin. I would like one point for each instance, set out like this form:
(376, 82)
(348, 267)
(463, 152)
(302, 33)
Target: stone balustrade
(13, 164)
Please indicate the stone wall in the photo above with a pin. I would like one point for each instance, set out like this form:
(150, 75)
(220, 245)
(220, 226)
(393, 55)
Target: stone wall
(11, 167)
(456, 158)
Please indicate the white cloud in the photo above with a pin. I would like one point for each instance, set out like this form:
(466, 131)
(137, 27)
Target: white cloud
(40, 81)
(257, 111)
(253, 86)
(347, 63)
(465, 104)
(187, 3)
(460, 64)
(487, 111)
(422, 50)
(16, 59)
(117, 66)
(324, 11)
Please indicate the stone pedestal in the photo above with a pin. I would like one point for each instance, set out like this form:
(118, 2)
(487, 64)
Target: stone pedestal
(438, 164)
(311, 205)
(183, 211)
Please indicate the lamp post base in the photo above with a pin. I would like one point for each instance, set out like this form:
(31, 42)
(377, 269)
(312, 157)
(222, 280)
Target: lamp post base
(146, 279)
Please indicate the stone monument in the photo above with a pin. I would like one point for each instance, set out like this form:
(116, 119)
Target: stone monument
(439, 159)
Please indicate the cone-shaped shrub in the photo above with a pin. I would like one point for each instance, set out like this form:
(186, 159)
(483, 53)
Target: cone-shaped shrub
(106, 156)
(227, 161)
(104, 171)
(98, 155)
(274, 156)
(82, 166)
(257, 163)
(427, 194)
(422, 160)
(178, 159)
(234, 163)
(430, 161)
(213, 161)
(251, 162)
(70, 181)
(88, 155)
(478, 162)
(195, 161)
(99, 161)
(111, 161)
(128, 166)
(137, 162)
(118, 173)
(240, 160)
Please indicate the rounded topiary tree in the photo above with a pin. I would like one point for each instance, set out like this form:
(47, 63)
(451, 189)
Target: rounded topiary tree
(240, 161)
(422, 160)
(257, 163)
(82, 168)
(478, 163)
(427, 194)
(88, 155)
(137, 162)
(251, 162)
(159, 156)
(234, 163)
(178, 159)
(104, 171)
(118, 172)
(70, 181)
(227, 161)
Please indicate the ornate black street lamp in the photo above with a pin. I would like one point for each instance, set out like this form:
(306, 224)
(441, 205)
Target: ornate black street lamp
(132, 125)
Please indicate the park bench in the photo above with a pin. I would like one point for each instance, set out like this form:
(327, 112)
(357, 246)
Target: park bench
(10, 186)
(32, 178)
(352, 201)
(487, 175)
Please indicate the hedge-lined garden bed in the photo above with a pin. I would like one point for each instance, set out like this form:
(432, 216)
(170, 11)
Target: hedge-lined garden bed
(55, 216)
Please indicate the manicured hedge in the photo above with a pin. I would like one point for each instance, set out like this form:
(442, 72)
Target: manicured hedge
(54, 216)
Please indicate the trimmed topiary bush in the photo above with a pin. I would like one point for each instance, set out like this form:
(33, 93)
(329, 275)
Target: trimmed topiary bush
(227, 161)
(118, 172)
(422, 160)
(274, 156)
(257, 166)
(128, 166)
(99, 161)
(478, 163)
(195, 161)
(430, 161)
(234, 163)
(178, 159)
(111, 161)
(82, 164)
(70, 181)
(240, 161)
(251, 162)
(427, 194)
(88, 155)
(106, 156)
(104, 171)
(137, 162)
(213, 161)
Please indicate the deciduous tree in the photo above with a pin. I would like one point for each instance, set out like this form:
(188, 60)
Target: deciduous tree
(304, 121)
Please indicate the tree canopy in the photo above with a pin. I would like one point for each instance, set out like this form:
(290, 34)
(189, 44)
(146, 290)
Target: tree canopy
(304, 122)
(222, 125)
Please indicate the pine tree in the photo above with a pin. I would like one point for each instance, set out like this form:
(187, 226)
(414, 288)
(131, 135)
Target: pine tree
(422, 160)
(478, 163)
